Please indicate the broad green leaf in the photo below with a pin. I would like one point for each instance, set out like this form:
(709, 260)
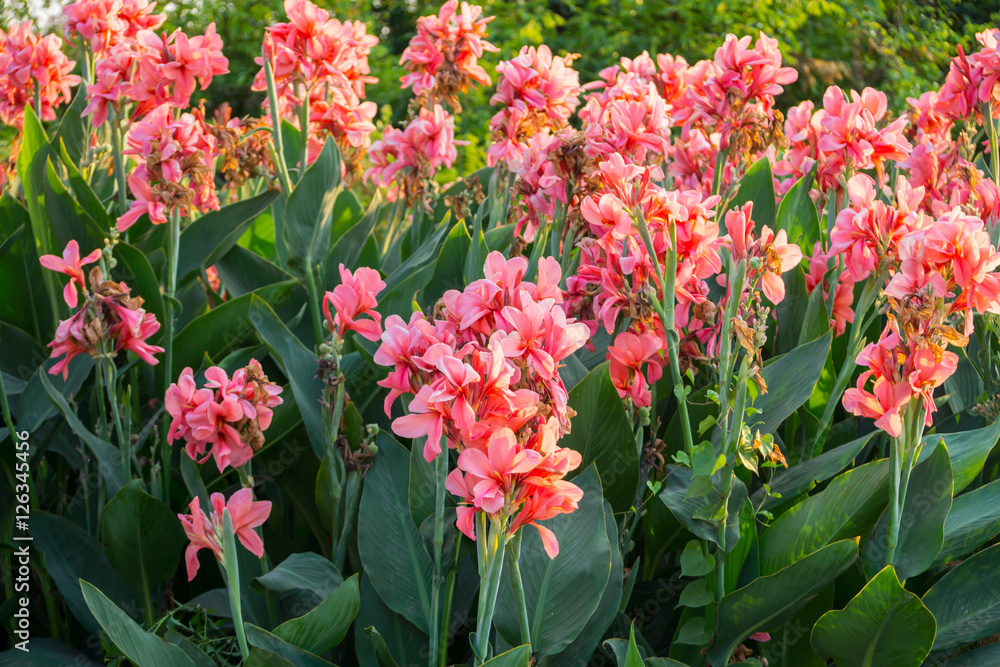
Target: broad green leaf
(602, 434)
(757, 185)
(108, 457)
(789, 644)
(516, 657)
(45, 652)
(35, 407)
(561, 593)
(663, 662)
(401, 642)
(297, 657)
(883, 625)
(260, 657)
(142, 648)
(968, 451)
(847, 507)
(31, 164)
(797, 214)
(324, 627)
(212, 235)
(973, 520)
(197, 656)
(297, 362)
(768, 600)
(804, 476)
(423, 483)
(685, 507)
(448, 270)
(142, 538)
(790, 381)
(309, 211)
(347, 248)
(987, 656)
(74, 129)
(25, 308)
(400, 568)
(790, 313)
(242, 271)
(69, 554)
(68, 219)
(582, 648)
(413, 274)
(219, 331)
(921, 523)
(141, 278)
(303, 571)
(966, 601)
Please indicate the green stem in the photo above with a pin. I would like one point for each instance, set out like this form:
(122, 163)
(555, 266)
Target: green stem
(173, 244)
(514, 554)
(441, 475)
(303, 132)
(489, 587)
(333, 430)
(720, 168)
(994, 148)
(445, 632)
(314, 305)
(720, 561)
(894, 510)
(107, 368)
(279, 141)
(118, 159)
(737, 274)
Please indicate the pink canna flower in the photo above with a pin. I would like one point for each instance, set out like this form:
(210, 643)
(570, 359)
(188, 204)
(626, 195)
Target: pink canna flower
(628, 355)
(442, 58)
(71, 264)
(779, 256)
(353, 299)
(205, 531)
(30, 63)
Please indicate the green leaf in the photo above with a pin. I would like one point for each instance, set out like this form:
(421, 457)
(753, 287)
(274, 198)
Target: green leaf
(966, 601)
(68, 219)
(304, 571)
(309, 211)
(108, 457)
(973, 520)
(46, 652)
(260, 657)
(804, 476)
(212, 235)
(142, 648)
(297, 362)
(797, 214)
(448, 269)
(242, 271)
(789, 645)
(70, 553)
(347, 248)
(921, 523)
(219, 331)
(695, 562)
(987, 656)
(582, 648)
(561, 593)
(142, 279)
(883, 625)
(847, 507)
(413, 275)
(602, 434)
(298, 657)
(25, 308)
(768, 600)
(400, 568)
(74, 130)
(383, 638)
(757, 185)
(968, 451)
(324, 627)
(696, 594)
(423, 483)
(516, 657)
(142, 537)
(790, 381)
(684, 503)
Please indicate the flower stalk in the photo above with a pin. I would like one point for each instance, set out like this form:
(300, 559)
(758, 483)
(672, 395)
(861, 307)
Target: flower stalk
(441, 475)
(173, 247)
(514, 554)
(491, 539)
(232, 567)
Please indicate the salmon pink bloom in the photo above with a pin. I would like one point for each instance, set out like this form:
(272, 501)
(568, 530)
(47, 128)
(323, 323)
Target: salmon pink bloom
(779, 256)
(495, 469)
(205, 531)
(31, 64)
(883, 403)
(628, 355)
(71, 264)
(352, 299)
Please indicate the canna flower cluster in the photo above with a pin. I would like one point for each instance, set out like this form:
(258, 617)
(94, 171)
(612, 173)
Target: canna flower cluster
(443, 57)
(107, 23)
(176, 169)
(942, 271)
(109, 320)
(323, 63)
(354, 304)
(226, 418)
(205, 531)
(150, 71)
(484, 379)
(32, 66)
(405, 161)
